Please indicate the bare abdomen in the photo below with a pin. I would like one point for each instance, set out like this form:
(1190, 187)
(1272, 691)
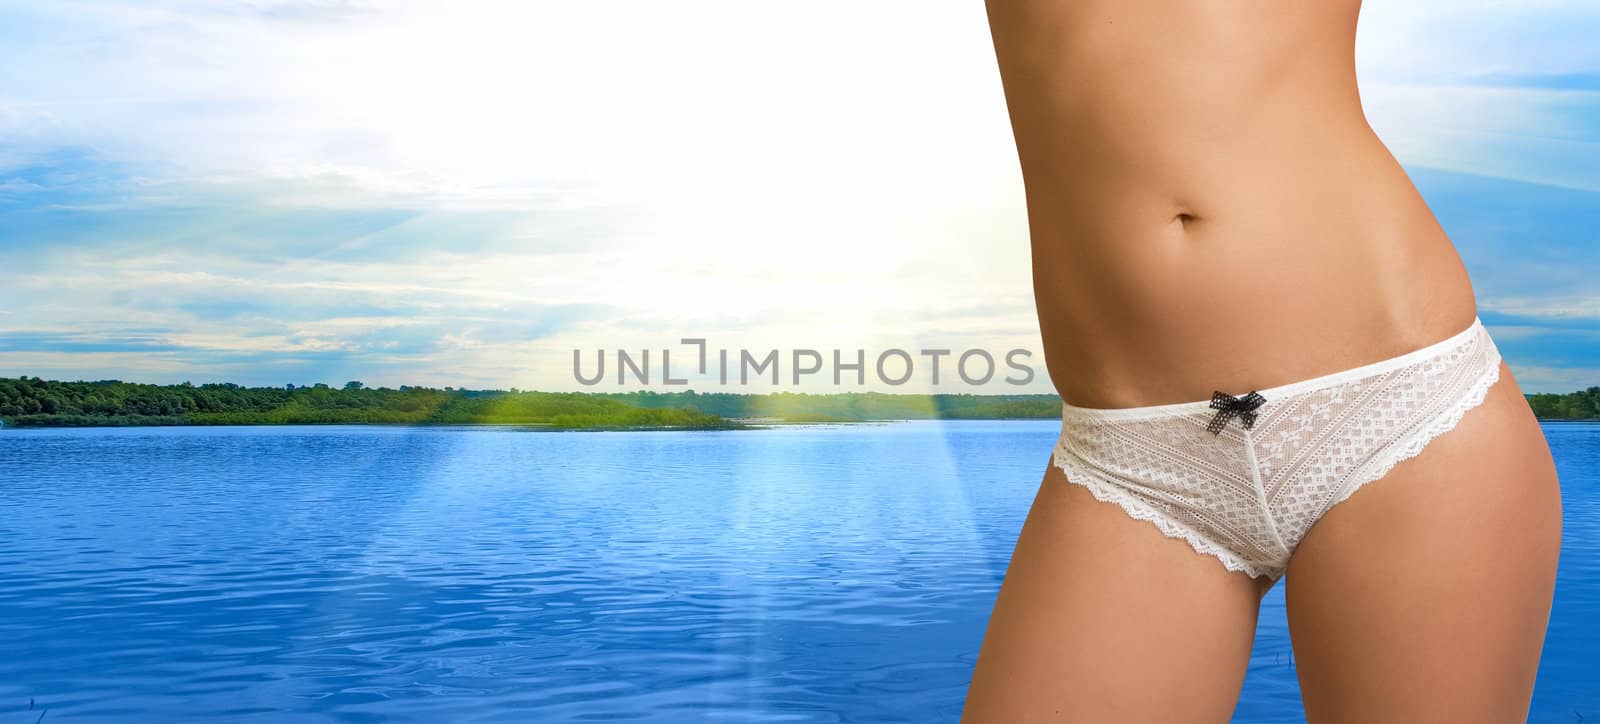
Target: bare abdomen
(1208, 206)
(1258, 269)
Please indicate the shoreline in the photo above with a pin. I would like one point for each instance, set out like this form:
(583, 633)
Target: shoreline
(33, 402)
(734, 424)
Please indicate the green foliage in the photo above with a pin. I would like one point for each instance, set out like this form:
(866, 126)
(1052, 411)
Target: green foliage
(1581, 405)
(34, 402)
(30, 401)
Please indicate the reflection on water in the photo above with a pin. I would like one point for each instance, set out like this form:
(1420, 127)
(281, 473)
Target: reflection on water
(815, 574)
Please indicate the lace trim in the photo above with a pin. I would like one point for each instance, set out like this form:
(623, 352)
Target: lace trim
(1109, 493)
(1439, 425)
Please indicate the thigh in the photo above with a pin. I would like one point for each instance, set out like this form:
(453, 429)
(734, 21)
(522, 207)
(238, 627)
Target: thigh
(1102, 618)
(1424, 596)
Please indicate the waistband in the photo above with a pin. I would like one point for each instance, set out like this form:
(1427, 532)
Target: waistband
(1475, 329)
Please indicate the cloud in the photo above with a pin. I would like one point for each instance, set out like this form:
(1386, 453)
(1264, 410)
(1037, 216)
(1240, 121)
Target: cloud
(1534, 378)
(1477, 41)
(1555, 313)
(1519, 240)
(72, 342)
(1535, 135)
(461, 193)
(481, 100)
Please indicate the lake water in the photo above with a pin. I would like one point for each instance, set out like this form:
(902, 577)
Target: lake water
(365, 574)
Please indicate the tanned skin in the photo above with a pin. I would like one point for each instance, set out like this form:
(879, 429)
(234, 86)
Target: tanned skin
(1210, 209)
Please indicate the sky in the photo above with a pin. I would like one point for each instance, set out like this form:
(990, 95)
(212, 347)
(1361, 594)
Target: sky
(269, 192)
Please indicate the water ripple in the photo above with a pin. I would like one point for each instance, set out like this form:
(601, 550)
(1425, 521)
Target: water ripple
(365, 574)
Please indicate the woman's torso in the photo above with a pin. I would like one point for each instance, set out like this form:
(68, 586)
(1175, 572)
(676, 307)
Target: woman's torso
(1208, 206)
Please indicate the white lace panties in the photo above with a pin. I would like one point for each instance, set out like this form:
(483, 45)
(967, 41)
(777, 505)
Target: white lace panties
(1273, 462)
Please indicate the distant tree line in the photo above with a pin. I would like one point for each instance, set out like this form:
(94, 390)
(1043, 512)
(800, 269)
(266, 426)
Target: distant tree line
(1581, 405)
(31, 401)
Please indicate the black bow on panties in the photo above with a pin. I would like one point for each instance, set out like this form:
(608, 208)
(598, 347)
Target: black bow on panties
(1228, 407)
